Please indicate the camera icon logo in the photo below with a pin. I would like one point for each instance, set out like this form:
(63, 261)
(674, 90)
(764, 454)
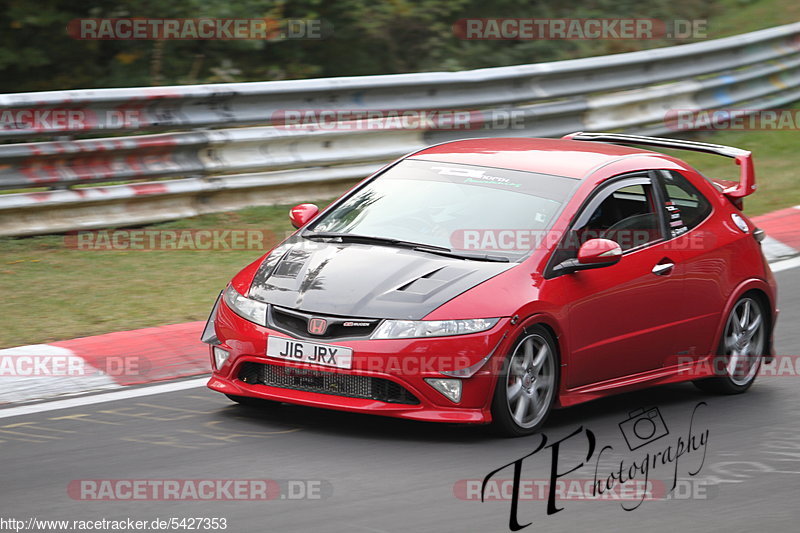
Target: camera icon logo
(643, 427)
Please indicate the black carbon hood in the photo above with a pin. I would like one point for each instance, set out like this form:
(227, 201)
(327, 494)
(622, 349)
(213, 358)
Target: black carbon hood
(364, 280)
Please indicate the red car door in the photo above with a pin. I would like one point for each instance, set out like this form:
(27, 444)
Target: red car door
(622, 318)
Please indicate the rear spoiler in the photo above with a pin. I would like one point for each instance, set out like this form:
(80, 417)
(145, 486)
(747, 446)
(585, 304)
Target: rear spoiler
(743, 158)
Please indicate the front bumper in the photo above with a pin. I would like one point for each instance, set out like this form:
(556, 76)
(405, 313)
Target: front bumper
(405, 362)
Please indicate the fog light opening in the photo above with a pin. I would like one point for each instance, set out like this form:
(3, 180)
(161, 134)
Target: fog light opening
(449, 388)
(220, 356)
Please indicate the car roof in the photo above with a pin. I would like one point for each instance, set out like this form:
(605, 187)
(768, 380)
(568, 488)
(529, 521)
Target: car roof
(558, 157)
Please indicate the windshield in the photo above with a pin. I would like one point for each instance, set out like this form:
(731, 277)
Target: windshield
(459, 207)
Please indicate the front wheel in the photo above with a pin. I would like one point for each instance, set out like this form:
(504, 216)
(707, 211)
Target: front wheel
(741, 349)
(526, 388)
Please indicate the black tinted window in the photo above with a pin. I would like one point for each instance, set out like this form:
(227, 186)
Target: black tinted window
(625, 216)
(623, 211)
(686, 206)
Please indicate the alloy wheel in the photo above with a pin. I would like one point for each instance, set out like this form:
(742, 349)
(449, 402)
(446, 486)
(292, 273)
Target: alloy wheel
(531, 381)
(743, 341)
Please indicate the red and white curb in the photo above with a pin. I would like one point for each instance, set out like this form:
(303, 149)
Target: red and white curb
(782, 244)
(116, 360)
(783, 233)
(102, 362)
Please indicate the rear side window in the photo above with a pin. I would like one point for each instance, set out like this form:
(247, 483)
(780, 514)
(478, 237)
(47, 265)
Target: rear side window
(686, 206)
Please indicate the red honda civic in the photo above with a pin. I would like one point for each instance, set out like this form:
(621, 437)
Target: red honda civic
(492, 280)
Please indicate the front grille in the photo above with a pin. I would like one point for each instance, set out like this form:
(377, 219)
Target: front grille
(286, 377)
(287, 322)
(296, 323)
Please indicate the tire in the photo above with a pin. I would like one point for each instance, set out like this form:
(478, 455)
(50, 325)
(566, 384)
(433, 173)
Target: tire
(527, 385)
(741, 349)
(251, 402)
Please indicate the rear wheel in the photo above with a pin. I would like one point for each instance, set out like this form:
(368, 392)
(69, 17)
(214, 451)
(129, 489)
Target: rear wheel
(526, 388)
(741, 349)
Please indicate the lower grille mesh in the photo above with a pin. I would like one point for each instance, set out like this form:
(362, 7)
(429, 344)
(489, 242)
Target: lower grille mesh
(302, 379)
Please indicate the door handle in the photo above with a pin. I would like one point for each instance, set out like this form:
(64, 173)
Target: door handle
(662, 269)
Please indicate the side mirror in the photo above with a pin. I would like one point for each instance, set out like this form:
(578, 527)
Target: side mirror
(599, 252)
(300, 215)
(594, 253)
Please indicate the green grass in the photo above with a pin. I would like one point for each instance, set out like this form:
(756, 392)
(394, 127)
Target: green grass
(740, 16)
(51, 292)
(777, 164)
(776, 157)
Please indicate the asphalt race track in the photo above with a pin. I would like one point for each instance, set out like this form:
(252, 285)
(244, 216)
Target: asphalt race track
(370, 474)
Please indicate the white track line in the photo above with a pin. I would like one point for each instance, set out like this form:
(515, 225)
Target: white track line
(786, 264)
(136, 392)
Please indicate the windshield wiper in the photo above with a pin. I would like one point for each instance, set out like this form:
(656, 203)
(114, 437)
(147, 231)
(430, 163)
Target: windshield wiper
(419, 247)
(354, 237)
(462, 255)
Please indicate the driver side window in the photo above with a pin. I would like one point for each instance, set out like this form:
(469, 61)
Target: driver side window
(627, 216)
(623, 211)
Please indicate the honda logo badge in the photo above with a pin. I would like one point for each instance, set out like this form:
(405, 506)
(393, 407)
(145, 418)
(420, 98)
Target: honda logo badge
(317, 326)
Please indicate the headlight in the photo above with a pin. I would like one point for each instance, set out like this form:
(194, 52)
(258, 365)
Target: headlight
(245, 307)
(405, 329)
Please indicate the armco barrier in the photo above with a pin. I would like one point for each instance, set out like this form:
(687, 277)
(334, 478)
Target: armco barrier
(229, 163)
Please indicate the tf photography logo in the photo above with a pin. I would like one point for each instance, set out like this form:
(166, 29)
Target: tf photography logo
(644, 429)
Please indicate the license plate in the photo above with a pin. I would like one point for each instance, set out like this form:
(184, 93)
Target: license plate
(309, 352)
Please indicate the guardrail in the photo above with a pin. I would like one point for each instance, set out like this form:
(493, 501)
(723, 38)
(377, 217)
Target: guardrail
(220, 161)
